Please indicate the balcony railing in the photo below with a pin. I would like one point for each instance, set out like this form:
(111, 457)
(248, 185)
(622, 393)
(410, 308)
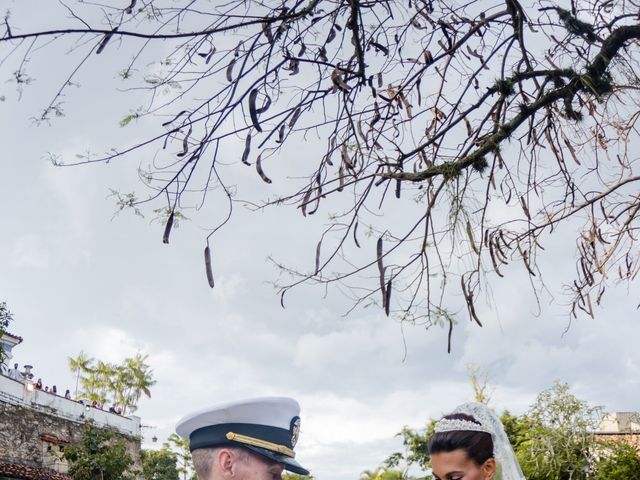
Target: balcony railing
(17, 393)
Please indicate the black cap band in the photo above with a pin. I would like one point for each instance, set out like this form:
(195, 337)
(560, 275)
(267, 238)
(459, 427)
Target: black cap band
(215, 435)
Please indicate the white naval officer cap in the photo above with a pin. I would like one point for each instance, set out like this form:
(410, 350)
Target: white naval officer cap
(268, 426)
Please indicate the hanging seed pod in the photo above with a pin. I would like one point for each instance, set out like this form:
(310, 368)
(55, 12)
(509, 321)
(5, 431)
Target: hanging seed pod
(105, 40)
(247, 150)
(174, 118)
(230, 70)
(381, 272)
(318, 257)
(338, 81)
(260, 171)
(340, 179)
(294, 117)
(387, 301)
(129, 9)
(344, 154)
(265, 107)
(266, 29)
(185, 143)
(167, 229)
(207, 264)
(380, 47)
(210, 56)
(472, 240)
(305, 201)
(253, 112)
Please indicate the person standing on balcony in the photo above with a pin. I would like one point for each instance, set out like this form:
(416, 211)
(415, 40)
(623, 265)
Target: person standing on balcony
(14, 373)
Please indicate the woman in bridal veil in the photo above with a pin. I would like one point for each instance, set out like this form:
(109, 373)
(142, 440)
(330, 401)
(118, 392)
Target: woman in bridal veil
(470, 444)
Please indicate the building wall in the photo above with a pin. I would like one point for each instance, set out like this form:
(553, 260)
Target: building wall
(32, 432)
(8, 341)
(620, 422)
(21, 430)
(15, 393)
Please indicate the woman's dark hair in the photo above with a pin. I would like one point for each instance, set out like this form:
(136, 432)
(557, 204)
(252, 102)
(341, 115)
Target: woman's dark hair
(478, 445)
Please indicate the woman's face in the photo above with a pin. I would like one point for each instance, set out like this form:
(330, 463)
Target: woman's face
(457, 465)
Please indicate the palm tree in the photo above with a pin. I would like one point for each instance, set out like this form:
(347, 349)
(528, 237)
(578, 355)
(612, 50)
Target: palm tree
(118, 384)
(122, 384)
(93, 388)
(80, 364)
(143, 376)
(106, 378)
(139, 380)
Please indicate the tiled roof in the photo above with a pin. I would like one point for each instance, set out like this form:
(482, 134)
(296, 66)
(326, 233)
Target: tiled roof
(23, 472)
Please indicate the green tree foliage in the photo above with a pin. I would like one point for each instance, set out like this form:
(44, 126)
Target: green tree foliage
(180, 447)
(5, 319)
(296, 476)
(159, 465)
(384, 473)
(415, 446)
(99, 456)
(619, 461)
(559, 443)
(516, 428)
(79, 365)
(120, 384)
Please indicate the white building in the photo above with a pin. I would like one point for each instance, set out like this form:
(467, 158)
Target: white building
(8, 341)
(620, 422)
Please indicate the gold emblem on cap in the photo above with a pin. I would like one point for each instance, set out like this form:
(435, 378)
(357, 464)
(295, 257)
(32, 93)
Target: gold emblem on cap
(256, 442)
(295, 430)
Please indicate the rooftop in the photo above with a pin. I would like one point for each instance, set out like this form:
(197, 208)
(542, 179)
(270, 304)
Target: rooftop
(23, 472)
(16, 337)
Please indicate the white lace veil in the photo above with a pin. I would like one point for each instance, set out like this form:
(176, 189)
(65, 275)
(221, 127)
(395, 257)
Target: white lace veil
(508, 466)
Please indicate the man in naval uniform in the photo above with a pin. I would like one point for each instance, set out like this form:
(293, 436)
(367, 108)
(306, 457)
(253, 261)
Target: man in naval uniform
(246, 440)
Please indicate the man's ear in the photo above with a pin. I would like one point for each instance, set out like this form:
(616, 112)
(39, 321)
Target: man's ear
(489, 469)
(225, 460)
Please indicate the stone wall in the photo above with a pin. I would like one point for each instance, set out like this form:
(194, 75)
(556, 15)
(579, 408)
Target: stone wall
(33, 438)
(17, 393)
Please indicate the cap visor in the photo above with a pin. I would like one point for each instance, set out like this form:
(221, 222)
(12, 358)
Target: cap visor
(289, 463)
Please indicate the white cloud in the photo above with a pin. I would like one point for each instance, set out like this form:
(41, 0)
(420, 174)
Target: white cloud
(30, 252)
(107, 343)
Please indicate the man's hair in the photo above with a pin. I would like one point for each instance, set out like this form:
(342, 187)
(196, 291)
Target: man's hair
(203, 459)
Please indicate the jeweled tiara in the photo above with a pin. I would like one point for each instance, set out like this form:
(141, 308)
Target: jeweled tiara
(457, 425)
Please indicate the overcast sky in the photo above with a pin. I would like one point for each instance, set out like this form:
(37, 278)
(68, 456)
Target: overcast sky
(78, 278)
